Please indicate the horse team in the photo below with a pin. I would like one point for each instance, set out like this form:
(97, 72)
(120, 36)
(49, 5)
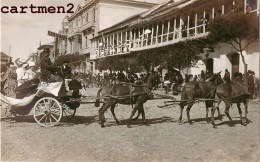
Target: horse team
(212, 91)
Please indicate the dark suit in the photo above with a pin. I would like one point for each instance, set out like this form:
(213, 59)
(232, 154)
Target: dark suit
(66, 70)
(47, 68)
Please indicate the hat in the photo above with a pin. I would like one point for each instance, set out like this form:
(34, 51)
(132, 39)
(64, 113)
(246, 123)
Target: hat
(25, 65)
(31, 64)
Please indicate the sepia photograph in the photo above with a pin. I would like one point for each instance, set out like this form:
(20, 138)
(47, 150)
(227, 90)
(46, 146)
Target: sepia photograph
(130, 80)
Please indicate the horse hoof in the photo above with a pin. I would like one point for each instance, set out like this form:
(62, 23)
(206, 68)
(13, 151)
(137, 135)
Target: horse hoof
(147, 124)
(179, 121)
(102, 126)
(129, 126)
(117, 122)
(190, 122)
(214, 126)
(244, 120)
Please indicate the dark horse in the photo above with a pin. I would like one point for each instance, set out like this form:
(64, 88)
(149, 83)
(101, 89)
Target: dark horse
(235, 92)
(126, 94)
(199, 90)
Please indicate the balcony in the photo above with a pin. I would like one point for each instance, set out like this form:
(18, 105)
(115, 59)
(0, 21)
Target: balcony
(148, 41)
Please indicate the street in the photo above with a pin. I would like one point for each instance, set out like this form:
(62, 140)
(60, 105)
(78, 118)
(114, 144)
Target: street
(82, 138)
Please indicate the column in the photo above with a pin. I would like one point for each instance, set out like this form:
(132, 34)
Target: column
(168, 30)
(152, 34)
(157, 28)
(180, 28)
(204, 22)
(196, 22)
(162, 31)
(213, 13)
(174, 33)
(188, 26)
(142, 41)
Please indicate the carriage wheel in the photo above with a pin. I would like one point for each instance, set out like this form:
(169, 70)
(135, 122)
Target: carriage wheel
(47, 111)
(68, 112)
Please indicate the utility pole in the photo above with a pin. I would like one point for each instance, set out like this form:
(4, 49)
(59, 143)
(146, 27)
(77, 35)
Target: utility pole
(9, 54)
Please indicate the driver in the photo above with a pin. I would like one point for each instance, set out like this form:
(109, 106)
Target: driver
(48, 70)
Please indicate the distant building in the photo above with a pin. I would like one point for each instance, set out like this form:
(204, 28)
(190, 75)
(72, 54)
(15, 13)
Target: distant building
(90, 18)
(4, 58)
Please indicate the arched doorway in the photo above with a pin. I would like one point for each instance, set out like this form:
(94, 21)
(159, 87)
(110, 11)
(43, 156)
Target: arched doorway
(235, 64)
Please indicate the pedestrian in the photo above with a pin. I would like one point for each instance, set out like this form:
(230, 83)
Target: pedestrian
(10, 79)
(121, 76)
(31, 72)
(226, 77)
(251, 83)
(202, 75)
(20, 71)
(195, 78)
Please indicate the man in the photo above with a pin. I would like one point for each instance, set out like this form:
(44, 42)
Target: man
(48, 71)
(66, 70)
(252, 84)
(31, 71)
(226, 77)
(21, 73)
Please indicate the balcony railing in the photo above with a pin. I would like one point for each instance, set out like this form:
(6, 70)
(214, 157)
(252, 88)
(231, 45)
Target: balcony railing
(148, 42)
(177, 28)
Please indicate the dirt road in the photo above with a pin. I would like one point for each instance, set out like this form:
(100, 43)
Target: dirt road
(82, 139)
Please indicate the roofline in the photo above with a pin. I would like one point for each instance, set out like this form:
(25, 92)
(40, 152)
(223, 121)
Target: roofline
(100, 1)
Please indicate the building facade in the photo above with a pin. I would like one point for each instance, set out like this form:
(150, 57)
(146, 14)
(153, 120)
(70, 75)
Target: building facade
(90, 18)
(4, 58)
(178, 21)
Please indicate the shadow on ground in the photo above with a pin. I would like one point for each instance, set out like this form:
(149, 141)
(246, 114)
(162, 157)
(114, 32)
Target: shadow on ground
(140, 122)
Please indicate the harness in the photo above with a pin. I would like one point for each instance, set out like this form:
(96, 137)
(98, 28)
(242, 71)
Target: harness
(132, 94)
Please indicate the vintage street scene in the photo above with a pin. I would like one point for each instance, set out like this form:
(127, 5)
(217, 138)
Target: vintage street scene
(130, 80)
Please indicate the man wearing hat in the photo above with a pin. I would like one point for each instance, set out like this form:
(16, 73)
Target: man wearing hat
(31, 71)
(48, 71)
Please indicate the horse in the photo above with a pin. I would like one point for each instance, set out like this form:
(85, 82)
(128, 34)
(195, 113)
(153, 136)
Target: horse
(199, 89)
(122, 93)
(231, 92)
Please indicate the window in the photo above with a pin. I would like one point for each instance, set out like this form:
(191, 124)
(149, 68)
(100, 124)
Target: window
(251, 5)
(94, 14)
(87, 18)
(86, 42)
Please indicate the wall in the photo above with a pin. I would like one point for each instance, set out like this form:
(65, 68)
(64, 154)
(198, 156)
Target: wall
(221, 61)
(110, 14)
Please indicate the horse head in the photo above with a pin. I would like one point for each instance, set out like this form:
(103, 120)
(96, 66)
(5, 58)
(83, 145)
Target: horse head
(216, 79)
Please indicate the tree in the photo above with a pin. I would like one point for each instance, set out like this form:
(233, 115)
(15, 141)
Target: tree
(150, 58)
(182, 55)
(237, 29)
(116, 63)
(73, 59)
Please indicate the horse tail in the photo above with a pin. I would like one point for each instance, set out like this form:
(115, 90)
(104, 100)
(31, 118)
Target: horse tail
(97, 103)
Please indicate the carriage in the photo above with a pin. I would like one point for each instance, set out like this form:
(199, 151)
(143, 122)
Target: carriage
(47, 101)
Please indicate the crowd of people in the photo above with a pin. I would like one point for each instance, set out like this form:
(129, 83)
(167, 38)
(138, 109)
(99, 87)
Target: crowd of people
(13, 76)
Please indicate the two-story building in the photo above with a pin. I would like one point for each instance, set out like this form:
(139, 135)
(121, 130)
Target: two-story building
(92, 17)
(178, 21)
